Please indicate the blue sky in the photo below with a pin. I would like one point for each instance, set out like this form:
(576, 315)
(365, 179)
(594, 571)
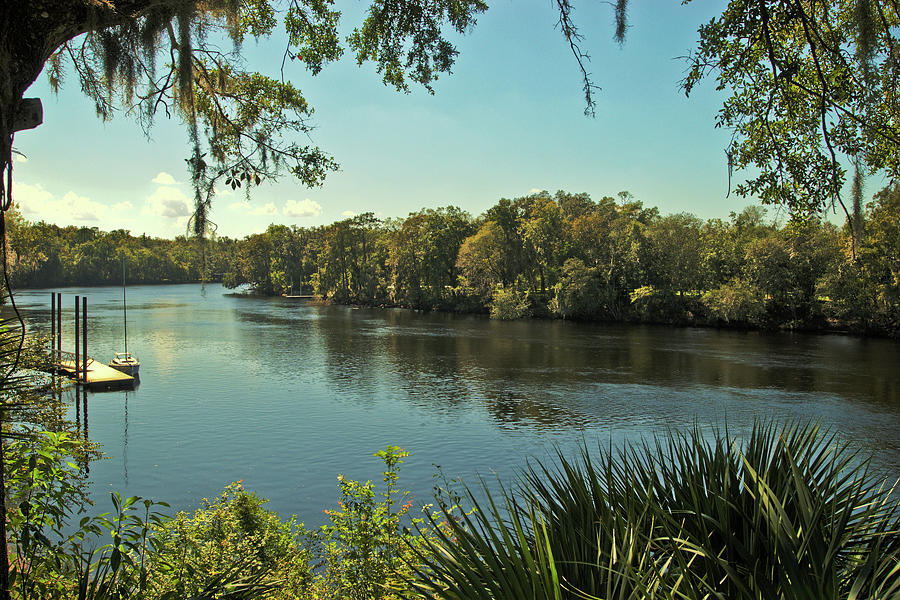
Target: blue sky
(507, 122)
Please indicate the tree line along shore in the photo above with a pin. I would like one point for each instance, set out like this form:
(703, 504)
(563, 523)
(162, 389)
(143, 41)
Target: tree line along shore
(562, 255)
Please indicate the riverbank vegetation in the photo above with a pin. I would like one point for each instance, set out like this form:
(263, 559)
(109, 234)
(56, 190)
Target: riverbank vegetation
(563, 255)
(784, 512)
(46, 255)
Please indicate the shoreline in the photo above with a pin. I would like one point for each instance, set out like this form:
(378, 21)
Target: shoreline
(543, 314)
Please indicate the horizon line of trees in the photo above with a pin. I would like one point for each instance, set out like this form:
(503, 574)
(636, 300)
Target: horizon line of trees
(563, 255)
(46, 255)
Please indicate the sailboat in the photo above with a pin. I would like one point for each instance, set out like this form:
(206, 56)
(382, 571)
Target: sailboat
(125, 361)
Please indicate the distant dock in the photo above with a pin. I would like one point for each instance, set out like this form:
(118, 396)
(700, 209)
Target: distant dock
(99, 375)
(304, 297)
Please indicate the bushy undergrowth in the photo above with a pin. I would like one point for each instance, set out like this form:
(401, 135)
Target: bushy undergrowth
(787, 512)
(508, 304)
(231, 548)
(233, 531)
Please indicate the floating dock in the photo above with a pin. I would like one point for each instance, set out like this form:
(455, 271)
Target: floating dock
(99, 375)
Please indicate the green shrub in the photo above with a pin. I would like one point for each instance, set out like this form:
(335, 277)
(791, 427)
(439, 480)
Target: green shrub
(232, 532)
(737, 301)
(508, 304)
(578, 292)
(42, 487)
(367, 551)
(785, 513)
(655, 305)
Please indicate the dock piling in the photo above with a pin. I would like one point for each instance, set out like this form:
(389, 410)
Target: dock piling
(58, 326)
(84, 354)
(52, 323)
(77, 336)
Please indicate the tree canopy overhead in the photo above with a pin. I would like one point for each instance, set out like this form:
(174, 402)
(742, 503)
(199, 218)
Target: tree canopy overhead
(811, 84)
(813, 87)
(182, 58)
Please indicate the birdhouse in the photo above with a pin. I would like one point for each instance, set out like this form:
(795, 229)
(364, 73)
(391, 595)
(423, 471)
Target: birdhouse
(29, 115)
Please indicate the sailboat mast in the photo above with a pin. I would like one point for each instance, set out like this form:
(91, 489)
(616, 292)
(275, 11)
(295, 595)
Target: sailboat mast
(124, 308)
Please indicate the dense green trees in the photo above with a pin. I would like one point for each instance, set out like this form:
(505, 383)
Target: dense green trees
(561, 255)
(609, 260)
(42, 255)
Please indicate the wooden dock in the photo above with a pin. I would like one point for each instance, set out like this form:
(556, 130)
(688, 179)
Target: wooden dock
(99, 375)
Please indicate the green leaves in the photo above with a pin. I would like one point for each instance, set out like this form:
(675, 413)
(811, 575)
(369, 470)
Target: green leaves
(406, 39)
(811, 88)
(786, 513)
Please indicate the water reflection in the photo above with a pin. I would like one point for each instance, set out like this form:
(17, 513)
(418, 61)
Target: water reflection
(560, 374)
(286, 395)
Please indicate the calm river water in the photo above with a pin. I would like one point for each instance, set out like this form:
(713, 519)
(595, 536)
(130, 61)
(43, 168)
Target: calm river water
(285, 395)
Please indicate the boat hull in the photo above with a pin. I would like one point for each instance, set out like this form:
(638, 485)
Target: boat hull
(126, 364)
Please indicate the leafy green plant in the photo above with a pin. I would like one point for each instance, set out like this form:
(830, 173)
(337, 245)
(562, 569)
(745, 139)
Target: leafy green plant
(578, 292)
(366, 550)
(117, 569)
(231, 542)
(508, 304)
(737, 301)
(786, 513)
(40, 497)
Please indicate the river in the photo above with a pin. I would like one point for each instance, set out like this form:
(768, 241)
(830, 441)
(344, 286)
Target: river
(285, 395)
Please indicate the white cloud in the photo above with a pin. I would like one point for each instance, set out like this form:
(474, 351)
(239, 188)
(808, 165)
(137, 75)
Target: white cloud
(348, 213)
(163, 178)
(82, 208)
(20, 158)
(242, 206)
(167, 202)
(535, 191)
(302, 208)
(268, 209)
(37, 203)
(32, 199)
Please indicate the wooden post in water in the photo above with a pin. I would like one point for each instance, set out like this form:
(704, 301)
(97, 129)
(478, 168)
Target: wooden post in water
(52, 323)
(84, 393)
(84, 354)
(53, 336)
(58, 326)
(77, 338)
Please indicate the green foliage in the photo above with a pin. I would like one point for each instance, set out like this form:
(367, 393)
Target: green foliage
(613, 260)
(107, 557)
(232, 547)
(783, 513)
(651, 304)
(233, 532)
(408, 43)
(45, 255)
(366, 551)
(736, 302)
(42, 487)
(578, 292)
(673, 250)
(423, 255)
(509, 303)
(480, 259)
(811, 87)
